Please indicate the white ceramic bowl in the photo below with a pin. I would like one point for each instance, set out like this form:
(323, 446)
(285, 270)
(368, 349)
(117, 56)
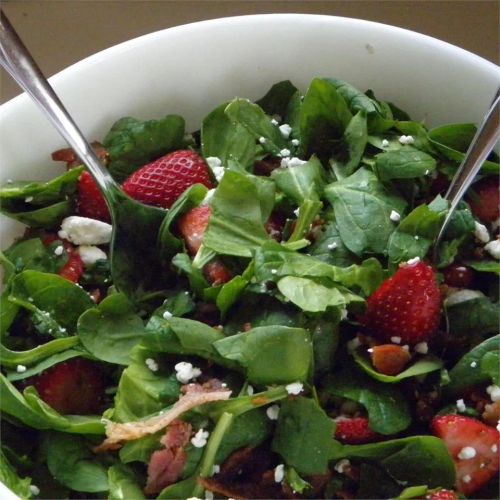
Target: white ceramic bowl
(190, 69)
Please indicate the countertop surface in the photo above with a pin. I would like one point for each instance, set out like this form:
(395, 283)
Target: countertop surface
(59, 33)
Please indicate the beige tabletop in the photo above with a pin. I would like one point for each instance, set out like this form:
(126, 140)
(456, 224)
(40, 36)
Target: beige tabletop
(59, 33)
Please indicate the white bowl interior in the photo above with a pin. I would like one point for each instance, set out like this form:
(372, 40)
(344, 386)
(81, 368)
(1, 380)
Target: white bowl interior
(190, 69)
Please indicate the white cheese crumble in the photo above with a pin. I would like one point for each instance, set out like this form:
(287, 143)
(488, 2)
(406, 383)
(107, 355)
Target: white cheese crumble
(200, 439)
(493, 248)
(494, 392)
(59, 250)
(186, 372)
(353, 344)
(332, 246)
(481, 233)
(473, 364)
(208, 197)
(250, 390)
(20, 368)
(262, 140)
(90, 254)
(292, 162)
(35, 490)
(273, 412)
(395, 217)
(151, 364)
(167, 315)
(461, 405)
(406, 348)
(295, 142)
(274, 271)
(343, 314)
(218, 173)
(466, 453)
(396, 340)
(296, 212)
(285, 152)
(216, 166)
(406, 139)
(285, 130)
(421, 348)
(385, 143)
(209, 495)
(342, 465)
(498, 426)
(215, 469)
(28, 199)
(85, 231)
(494, 448)
(294, 388)
(274, 121)
(415, 260)
(279, 473)
(467, 478)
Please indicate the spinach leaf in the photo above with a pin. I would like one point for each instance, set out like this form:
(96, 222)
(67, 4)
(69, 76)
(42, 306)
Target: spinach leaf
(308, 211)
(474, 367)
(388, 411)
(140, 450)
(46, 217)
(34, 255)
(197, 281)
(484, 266)
(354, 143)
(10, 478)
(252, 117)
(407, 163)
(301, 182)
(277, 99)
(355, 99)
(71, 461)
(123, 484)
(8, 313)
(132, 143)
(375, 482)
(230, 293)
(110, 330)
(229, 141)
(270, 354)
(324, 117)
(32, 411)
(295, 481)
(304, 436)
(51, 297)
(362, 208)
(414, 460)
(235, 226)
(422, 366)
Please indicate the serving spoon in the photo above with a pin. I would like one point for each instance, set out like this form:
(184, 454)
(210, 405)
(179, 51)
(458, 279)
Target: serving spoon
(135, 261)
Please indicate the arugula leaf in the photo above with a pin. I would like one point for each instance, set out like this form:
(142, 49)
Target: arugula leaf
(277, 99)
(110, 330)
(221, 137)
(324, 117)
(388, 410)
(270, 354)
(132, 143)
(362, 208)
(71, 461)
(123, 484)
(303, 436)
(422, 366)
(10, 478)
(407, 163)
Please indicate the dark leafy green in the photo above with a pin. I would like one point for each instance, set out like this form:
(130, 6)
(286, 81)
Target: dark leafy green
(122, 484)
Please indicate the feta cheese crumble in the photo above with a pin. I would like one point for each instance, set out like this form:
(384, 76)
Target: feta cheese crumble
(90, 254)
(342, 465)
(167, 315)
(385, 143)
(421, 348)
(28, 199)
(216, 166)
(406, 139)
(295, 142)
(35, 490)
(85, 231)
(291, 162)
(273, 412)
(285, 152)
(200, 439)
(186, 372)
(396, 340)
(473, 364)
(493, 248)
(20, 368)
(494, 448)
(262, 140)
(285, 130)
(494, 392)
(151, 364)
(274, 271)
(415, 260)
(467, 453)
(58, 250)
(294, 388)
(395, 217)
(250, 390)
(216, 469)
(208, 197)
(209, 495)
(461, 405)
(467, 478)
(332, 246)
(279, 473)
(481, 233)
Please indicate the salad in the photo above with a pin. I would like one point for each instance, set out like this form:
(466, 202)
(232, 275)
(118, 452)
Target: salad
(293, 335)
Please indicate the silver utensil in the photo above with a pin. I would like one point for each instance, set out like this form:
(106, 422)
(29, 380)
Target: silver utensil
(135, 226)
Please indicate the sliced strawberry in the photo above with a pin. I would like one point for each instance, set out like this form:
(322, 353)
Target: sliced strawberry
(162, 181)
(474, 448)
(216, 273)
(484, 200)
(354, 431)
(73, 269)
(90, 202)
(458, 276)
(68, 156)
(407, 305)
(192, 227)
(389, 359)
(73, 387)
(442, 495)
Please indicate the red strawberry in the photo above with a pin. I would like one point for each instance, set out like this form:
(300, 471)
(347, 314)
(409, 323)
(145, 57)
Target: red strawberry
(192, 226)
(474, 448)
(389, 359)
(407, 305)
(442, 495)
(458, 276)
(162, 181)
(73, 269)
(68, 155)
(90, 202)
(484, 200)
(73, 387)
(216, 273)
(354, 431)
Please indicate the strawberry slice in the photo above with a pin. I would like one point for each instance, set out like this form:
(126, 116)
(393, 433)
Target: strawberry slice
(474, 448)
(162, 181)
(73, 269)
(89, 201)
(484, 200)
(192, 227)
(389, 359)
(442, 495)
(74, 387)
(407, 305)
(354, 431)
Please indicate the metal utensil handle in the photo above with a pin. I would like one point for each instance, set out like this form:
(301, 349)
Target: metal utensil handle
(481, 146)
(17, 61)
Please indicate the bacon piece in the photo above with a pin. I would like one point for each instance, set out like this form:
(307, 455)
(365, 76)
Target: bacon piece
(68, 156)
(166, 465)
